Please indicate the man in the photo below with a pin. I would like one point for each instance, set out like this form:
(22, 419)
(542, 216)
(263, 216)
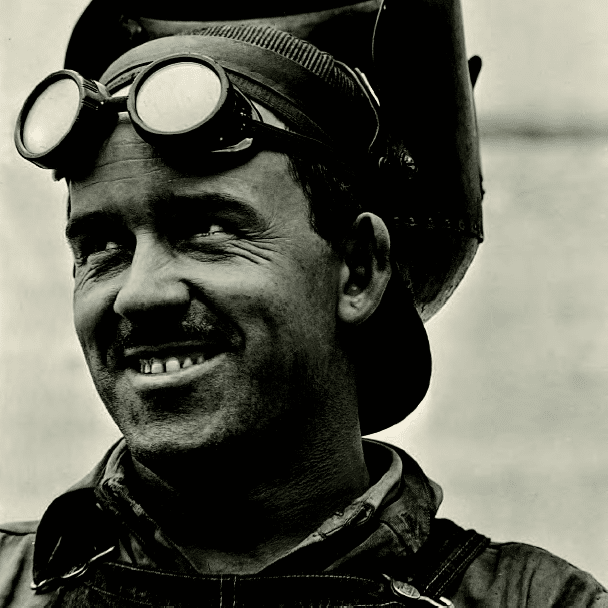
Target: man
(246, 312)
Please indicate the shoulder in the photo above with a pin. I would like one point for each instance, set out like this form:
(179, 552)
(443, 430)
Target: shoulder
(16, 543)
(19, 528)
(517, 574)
(16, 556)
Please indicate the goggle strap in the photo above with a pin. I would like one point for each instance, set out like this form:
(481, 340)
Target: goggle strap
(294, 144)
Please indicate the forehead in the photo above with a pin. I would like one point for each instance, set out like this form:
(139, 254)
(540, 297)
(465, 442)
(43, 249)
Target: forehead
(129, 175)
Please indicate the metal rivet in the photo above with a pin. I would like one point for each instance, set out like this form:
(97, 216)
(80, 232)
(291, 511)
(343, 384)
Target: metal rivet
(401, 588)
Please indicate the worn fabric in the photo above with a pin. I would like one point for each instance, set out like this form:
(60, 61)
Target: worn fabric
(96, 546)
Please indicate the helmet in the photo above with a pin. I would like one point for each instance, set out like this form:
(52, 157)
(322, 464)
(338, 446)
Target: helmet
(413, 54)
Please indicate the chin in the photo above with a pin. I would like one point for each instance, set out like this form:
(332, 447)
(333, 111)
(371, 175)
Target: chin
(191, 424)
(169, 443)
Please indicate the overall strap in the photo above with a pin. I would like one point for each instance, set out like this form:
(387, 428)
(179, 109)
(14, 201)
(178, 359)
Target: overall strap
(439, 565)
(454, 551)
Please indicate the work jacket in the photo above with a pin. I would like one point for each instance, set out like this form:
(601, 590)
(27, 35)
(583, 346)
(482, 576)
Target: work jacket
(96, 546)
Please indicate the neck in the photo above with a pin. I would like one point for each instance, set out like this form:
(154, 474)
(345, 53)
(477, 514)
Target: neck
(236, 511)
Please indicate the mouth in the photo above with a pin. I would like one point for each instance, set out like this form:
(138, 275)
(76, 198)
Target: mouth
(169, 365)
(168, 358)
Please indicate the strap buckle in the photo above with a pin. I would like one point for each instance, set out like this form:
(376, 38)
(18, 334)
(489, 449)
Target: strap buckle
(402, 589)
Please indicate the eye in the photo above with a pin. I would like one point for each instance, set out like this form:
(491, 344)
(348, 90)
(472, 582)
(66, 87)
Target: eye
(98, 250)
(212, 229)
(209, 234)
(110, 246)
(103, 246)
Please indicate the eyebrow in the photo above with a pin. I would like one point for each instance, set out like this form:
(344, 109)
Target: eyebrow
(169, 209)
(174, 206)
(85, 224)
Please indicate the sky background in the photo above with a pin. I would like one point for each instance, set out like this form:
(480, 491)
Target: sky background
(515, 426)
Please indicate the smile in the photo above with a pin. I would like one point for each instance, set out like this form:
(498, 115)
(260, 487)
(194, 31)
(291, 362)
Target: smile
(168, 365)
(162, 373)
(174, 359)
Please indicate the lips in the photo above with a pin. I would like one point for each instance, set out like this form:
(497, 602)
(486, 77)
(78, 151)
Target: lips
(168, 358)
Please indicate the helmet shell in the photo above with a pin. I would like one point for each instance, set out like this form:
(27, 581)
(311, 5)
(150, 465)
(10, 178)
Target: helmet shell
(413, 53)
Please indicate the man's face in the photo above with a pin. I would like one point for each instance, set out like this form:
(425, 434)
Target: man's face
(205, 304)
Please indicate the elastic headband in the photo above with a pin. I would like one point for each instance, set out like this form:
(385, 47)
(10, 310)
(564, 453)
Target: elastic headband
(311, 92)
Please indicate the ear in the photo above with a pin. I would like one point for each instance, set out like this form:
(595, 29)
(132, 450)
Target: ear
(366, 269)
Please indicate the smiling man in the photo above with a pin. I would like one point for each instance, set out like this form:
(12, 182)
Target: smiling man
(247, 310)
(208, 310)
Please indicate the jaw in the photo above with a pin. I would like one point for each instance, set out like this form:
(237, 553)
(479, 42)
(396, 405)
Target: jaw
(196, 407)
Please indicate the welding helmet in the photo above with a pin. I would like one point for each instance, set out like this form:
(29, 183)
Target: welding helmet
(410, 57)
(413, 54)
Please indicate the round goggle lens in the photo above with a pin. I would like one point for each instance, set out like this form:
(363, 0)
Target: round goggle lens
(51, 116)
(178, 97)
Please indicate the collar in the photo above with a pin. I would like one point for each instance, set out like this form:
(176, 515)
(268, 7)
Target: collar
(98, 519)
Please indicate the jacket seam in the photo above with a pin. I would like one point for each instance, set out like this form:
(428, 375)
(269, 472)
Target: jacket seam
(114, 595)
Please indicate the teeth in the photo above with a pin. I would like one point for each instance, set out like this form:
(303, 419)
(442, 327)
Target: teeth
(158, 367)
(172, 364)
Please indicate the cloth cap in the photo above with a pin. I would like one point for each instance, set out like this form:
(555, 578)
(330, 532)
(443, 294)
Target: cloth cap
(314, 94)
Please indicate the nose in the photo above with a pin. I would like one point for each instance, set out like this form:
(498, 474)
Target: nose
(153, 285)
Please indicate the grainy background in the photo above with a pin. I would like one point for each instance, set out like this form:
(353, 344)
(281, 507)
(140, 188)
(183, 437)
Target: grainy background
(515, 427)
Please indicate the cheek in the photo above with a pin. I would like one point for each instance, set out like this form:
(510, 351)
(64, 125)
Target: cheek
(92, 306)
(297, 306)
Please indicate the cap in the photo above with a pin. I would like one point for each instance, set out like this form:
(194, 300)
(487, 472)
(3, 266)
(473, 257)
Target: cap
(294, 79)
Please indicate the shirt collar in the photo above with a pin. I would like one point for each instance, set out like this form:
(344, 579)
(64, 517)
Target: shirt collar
(390, 519)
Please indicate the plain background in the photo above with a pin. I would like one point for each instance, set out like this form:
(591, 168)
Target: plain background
(515, 427)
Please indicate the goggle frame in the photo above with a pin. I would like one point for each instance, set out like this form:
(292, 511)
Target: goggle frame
(230, 128)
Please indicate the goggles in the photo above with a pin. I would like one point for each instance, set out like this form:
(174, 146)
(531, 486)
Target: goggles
(179, 103)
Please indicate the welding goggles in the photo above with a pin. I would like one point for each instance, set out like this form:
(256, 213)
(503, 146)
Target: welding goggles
(183, 102)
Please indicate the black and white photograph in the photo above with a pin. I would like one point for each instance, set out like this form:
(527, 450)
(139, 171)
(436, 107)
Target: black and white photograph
(304, 303)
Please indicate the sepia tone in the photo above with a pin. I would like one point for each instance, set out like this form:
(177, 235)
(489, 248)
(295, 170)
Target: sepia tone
(515, 426)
